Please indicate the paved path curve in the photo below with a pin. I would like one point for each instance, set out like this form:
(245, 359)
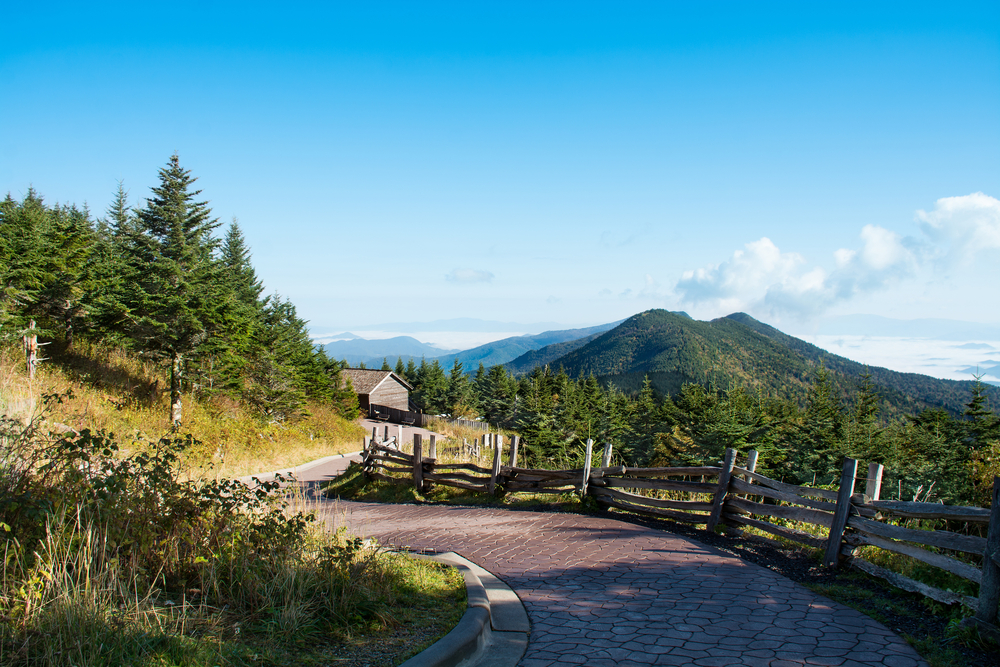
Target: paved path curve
(604, 592)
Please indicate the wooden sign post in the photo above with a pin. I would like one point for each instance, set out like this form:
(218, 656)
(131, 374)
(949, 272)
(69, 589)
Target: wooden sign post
(31, 350)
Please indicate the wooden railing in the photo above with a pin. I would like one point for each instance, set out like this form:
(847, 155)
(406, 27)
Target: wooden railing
(737, 497)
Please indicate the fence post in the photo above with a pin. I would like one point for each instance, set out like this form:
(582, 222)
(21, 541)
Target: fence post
(722, 490)
(842, 512)
(31, 350)
(586, 468)
(418, 463)
(386, 438)
(365, 454)
(873, 487)
(432, 451)
(606, 456)
(989, 588)
(752, 456)
(513, 451)
(492, 487)
(400, 438)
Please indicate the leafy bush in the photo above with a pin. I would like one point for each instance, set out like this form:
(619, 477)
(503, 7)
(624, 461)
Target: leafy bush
(112, 559)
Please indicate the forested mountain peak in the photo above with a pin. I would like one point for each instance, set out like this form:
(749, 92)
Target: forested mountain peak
(740, 351)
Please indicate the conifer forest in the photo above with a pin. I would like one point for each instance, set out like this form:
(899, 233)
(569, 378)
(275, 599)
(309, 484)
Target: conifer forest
(167, 281)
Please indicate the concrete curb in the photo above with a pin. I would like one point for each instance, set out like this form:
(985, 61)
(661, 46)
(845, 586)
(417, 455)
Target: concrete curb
(493, 631)
(268, 476)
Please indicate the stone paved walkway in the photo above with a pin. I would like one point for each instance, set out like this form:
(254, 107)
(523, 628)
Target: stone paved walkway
(604, 592)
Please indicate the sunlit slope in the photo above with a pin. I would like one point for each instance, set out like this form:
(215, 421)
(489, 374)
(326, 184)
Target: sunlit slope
(740, 351)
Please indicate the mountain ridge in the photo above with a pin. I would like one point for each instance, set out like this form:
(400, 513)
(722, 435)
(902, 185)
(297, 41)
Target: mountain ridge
(738, 350)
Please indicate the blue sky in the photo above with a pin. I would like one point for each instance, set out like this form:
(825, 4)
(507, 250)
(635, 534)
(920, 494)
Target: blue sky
(560, 162)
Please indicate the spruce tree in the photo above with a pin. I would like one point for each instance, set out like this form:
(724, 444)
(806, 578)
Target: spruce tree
(863, 432)
(68, 270)
(278, 372)
(459, 393)
(174, 301)
(23, 226)
(112, 258)
(231, 352)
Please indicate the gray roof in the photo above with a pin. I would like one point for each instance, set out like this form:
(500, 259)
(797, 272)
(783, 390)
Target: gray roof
(366, 381)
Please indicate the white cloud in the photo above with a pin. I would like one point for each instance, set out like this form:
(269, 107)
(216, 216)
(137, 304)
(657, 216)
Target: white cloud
(882, 248)
(468, 276)
(748, 278)
(652, 290)
(763, 280)
(962, 227)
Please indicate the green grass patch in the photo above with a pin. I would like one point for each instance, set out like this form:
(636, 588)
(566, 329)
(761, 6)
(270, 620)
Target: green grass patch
(353, 485)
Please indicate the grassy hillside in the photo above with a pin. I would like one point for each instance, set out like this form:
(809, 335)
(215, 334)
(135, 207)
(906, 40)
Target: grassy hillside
(104, 388)
(740, 351)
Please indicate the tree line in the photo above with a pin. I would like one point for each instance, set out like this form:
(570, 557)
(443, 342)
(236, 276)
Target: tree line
(158, 279)
(930, 455)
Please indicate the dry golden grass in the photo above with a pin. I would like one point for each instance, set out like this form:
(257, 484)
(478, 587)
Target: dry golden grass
(106, 388)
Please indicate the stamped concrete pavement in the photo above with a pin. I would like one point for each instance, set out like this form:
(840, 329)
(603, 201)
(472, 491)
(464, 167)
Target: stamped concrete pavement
(601, 592)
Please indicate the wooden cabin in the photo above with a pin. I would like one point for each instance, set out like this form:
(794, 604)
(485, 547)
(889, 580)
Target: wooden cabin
(379, 388)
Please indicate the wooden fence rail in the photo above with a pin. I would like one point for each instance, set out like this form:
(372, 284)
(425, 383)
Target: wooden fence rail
(738, 497)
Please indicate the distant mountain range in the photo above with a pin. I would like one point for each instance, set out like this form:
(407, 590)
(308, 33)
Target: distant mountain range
(459, 324)
(508, 349)
(672, 348)
(736, 350)
(371, 352)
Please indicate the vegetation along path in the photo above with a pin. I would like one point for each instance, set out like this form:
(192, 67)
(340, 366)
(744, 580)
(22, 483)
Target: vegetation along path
(604, 592)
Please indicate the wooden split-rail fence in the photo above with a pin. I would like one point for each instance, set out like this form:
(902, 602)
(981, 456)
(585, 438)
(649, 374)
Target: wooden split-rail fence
(736, 497)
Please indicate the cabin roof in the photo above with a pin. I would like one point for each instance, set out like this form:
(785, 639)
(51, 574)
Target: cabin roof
(366, 381)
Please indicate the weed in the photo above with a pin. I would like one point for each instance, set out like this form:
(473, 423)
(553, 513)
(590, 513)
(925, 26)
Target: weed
(113, 559)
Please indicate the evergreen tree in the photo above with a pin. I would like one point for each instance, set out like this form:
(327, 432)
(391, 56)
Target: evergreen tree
(820, 437)
(862, 436)
(433, 391)
(68, 270)
(459, 399)
(174, 302)
(22, 251)
(982, 424)
(496, 397)
(282, 363)
(231, 351)
(112, 252)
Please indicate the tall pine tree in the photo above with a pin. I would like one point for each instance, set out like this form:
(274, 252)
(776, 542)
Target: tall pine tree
(174, 302)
